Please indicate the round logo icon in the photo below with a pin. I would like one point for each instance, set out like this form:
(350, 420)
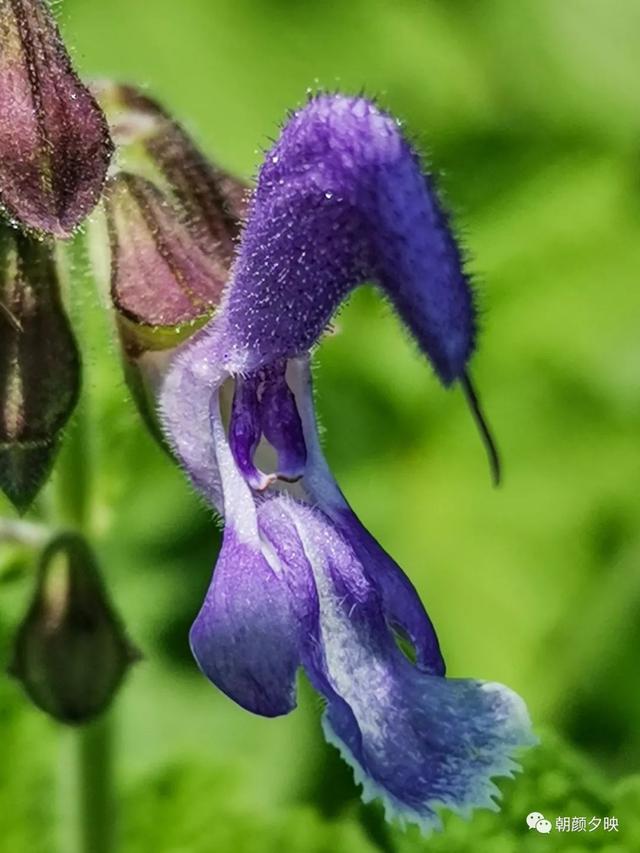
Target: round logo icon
(537, 821)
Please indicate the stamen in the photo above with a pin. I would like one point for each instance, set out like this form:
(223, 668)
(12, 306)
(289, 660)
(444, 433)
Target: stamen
(282, 426)
(263, 405)
(245, 432)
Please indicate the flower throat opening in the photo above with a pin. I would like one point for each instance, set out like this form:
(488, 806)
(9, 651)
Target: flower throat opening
(264, 407)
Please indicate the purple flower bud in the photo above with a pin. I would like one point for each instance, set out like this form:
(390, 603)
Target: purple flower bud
(54, 141)
(172, 222)
(39, 367)
(71, 651)
(162, 282)
(173, 219)
(154, 145)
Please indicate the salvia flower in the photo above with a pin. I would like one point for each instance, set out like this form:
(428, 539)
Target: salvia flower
(71, 652)
(341, 199)
(54, 142)
(39, 366)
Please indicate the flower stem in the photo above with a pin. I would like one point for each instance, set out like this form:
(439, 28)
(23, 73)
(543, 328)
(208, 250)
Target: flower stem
(86, 789)
(90, 797)
(73, 476)
(95, 786)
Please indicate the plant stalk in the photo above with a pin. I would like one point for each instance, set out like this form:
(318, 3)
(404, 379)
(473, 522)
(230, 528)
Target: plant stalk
(88, 789)
(95, 799)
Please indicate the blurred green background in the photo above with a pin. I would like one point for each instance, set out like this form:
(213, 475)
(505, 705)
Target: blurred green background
(530, 114)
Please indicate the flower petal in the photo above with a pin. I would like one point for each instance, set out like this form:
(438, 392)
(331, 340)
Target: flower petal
(199, 369)
(418, 741)
(281, 424)
(402, 605)
(247, 636)
(245, 431)
(342, 199)
(197, 372)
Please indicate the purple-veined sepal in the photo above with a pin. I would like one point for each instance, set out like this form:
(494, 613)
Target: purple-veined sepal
(164, 240)
(54, 141)
(39, 366)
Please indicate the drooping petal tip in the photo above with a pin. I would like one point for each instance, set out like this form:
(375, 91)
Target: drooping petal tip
(511, 733)
(419, 742)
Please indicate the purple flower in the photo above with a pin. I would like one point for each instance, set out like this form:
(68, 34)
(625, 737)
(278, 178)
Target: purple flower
(341, 199)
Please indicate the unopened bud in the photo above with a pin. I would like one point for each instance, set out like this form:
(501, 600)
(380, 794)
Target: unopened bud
(172, 220)
(71, 652)
(163, 285)
(54, 140)
(154, 145)
(39, 366)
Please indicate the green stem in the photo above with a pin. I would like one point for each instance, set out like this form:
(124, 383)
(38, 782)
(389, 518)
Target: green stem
(90, 797)
(73, 476)
(86, 789)
(95, 786)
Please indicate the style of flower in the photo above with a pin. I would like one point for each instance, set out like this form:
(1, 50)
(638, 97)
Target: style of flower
(341, 199)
